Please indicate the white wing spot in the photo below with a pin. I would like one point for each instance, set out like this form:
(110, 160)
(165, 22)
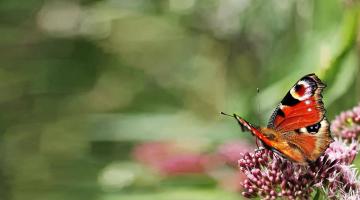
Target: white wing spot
(281, 106)
(302, 130)
(309, 109)
(307, 102)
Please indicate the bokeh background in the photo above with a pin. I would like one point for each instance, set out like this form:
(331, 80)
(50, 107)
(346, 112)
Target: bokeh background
(120, 99)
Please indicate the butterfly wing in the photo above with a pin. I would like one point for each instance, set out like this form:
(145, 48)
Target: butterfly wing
(301, 123)
(311, 141)
(298, 128)
(302, 106)
(303, 145)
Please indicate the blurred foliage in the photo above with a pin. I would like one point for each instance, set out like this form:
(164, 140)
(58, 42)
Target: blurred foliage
(84, 81)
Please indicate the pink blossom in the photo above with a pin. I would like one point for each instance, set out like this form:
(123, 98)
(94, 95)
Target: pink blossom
(231, 152)
(270, 176)
(172, 159)
(183, 164)
(343, 152)
(152, 153)
(347, 124)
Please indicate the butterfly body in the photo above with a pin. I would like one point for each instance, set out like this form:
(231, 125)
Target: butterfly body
(298, 129)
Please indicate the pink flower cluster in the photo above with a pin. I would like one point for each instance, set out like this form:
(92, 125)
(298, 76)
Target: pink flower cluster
(270, 176)
(343, 152)
(344, 175)
(347, 124)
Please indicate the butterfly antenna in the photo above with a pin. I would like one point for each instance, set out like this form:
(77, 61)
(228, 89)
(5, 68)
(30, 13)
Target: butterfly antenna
(234, 116)
(258, 114)
(258, 105)
(226, 114)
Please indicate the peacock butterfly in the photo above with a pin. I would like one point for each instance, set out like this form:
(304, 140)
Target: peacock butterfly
(298, 129)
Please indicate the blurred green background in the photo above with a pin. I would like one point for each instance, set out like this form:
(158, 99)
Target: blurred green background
(84, 82)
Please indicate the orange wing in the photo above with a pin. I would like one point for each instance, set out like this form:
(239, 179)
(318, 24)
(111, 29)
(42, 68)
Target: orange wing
(310, 142)
(301, 107)
(301, 146)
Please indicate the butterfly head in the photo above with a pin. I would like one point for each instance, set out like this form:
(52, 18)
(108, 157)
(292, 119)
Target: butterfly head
(269, 134)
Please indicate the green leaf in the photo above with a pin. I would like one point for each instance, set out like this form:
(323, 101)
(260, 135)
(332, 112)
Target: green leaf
(317, 195)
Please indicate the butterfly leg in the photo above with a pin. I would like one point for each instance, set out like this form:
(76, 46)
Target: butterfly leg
(259, 147)
(257, 142)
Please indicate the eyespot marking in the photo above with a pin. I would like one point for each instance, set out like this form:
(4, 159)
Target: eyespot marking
(314, 128)
(302, 90)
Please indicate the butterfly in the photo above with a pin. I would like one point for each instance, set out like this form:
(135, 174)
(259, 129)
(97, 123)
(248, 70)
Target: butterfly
(298, 129)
